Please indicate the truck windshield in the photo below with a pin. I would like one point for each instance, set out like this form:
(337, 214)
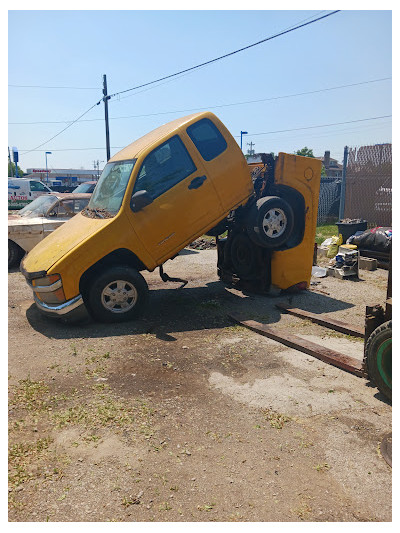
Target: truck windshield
(106, 200)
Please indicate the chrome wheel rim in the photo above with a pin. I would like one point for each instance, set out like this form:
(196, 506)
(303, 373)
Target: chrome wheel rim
(119, 296)
(274, 223)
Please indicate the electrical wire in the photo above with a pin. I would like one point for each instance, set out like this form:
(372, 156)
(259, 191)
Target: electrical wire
(97, 88)
(226, 55)
(312, 127)
(188, 70)
(59, 133)
(213, 106)
(51, 87)
(236, 136)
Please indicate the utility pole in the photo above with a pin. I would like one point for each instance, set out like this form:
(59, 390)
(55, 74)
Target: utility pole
(343, 186)
(251, 151)
(105, 100)
(9, 159)
(96, 165)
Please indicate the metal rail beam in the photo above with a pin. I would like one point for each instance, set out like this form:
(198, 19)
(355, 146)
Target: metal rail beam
(331, 357)
(324, 320)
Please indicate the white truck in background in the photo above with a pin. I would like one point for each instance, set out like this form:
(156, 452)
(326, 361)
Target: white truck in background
(21, 191)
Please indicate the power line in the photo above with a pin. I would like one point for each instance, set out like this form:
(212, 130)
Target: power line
(59, 133)
(226, 55)
(51, 87)
(248, 135)
(214, 106)
(319, 126)
(97, 88)
(187, 73)
(188, 70)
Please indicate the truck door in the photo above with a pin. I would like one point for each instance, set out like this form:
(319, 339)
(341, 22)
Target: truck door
(183, 198)
(223, 160)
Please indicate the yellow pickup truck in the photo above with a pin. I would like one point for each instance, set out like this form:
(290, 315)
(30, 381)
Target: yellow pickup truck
(154, 197)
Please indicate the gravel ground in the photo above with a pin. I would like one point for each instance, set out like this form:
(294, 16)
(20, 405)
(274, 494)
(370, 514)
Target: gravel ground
(185, 416)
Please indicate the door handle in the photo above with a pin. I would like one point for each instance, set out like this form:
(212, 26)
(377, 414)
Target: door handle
(197, 182)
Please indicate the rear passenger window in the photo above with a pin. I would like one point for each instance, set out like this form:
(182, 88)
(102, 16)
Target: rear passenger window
(207, 139)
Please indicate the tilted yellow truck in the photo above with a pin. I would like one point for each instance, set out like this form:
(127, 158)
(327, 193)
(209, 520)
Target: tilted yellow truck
(157, 195)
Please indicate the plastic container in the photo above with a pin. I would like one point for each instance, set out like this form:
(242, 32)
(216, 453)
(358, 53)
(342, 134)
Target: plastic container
(319, 272)
(347, 229)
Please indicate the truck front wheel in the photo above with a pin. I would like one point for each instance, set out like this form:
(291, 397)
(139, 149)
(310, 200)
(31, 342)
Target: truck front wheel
(270, 222)
(116, 295)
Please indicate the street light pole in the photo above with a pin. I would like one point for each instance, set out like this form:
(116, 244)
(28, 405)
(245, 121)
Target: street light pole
(47, 172)
(241, 138)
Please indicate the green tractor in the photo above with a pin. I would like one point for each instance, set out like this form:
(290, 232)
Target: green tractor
(378, 343)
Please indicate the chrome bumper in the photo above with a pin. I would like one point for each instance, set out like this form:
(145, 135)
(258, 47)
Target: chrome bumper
(60, 309)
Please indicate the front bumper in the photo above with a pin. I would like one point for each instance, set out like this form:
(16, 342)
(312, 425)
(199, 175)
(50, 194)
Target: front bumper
(59, 309)
(72, 310)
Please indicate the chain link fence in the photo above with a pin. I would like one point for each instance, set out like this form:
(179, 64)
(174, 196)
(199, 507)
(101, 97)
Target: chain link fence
(368, 188)
(369, 184)
(329, 200)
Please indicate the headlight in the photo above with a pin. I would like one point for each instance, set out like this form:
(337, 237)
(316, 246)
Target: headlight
(49, 289)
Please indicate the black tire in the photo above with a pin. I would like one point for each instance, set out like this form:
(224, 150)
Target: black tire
(378, 354)
(15, 253)
(244, 256)
(217, 230)
(117, 295)
(270, 222)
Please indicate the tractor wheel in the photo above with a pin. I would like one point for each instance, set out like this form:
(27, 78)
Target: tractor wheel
(378, 354)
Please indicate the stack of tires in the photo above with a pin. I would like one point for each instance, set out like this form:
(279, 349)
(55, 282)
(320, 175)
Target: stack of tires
(267, 226)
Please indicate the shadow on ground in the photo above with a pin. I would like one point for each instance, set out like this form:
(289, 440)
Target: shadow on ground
(188, 309)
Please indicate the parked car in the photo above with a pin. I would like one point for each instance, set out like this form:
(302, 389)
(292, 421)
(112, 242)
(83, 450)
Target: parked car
(87, 186)
(39, 218)
(22, 191)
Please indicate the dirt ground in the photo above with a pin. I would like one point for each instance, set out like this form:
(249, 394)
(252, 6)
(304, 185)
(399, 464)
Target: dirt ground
(185, 416)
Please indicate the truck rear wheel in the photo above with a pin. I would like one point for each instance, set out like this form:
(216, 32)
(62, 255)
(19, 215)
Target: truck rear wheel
(378, 353)
(118, 294)
(270, 222)
(244, 256)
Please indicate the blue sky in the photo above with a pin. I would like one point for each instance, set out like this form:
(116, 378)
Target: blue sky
(75, 49)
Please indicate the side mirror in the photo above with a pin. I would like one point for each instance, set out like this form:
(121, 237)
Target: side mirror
(139, 200)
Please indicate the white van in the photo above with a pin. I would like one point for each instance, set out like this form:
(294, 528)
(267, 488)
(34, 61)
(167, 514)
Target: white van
(21, 191)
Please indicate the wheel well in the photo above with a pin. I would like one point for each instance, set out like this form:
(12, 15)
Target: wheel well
(122, 256)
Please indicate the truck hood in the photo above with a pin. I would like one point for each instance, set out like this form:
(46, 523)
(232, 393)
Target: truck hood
(61, 241)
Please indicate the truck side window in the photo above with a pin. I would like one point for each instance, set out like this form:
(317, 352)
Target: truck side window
(207, 139)
(37, 186)
(164, 167)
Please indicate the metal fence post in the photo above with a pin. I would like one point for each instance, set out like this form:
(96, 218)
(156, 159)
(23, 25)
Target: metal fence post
(343, 186)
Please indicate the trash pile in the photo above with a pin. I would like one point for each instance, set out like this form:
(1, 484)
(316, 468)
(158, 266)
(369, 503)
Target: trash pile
(377, 239)
(203, 244)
